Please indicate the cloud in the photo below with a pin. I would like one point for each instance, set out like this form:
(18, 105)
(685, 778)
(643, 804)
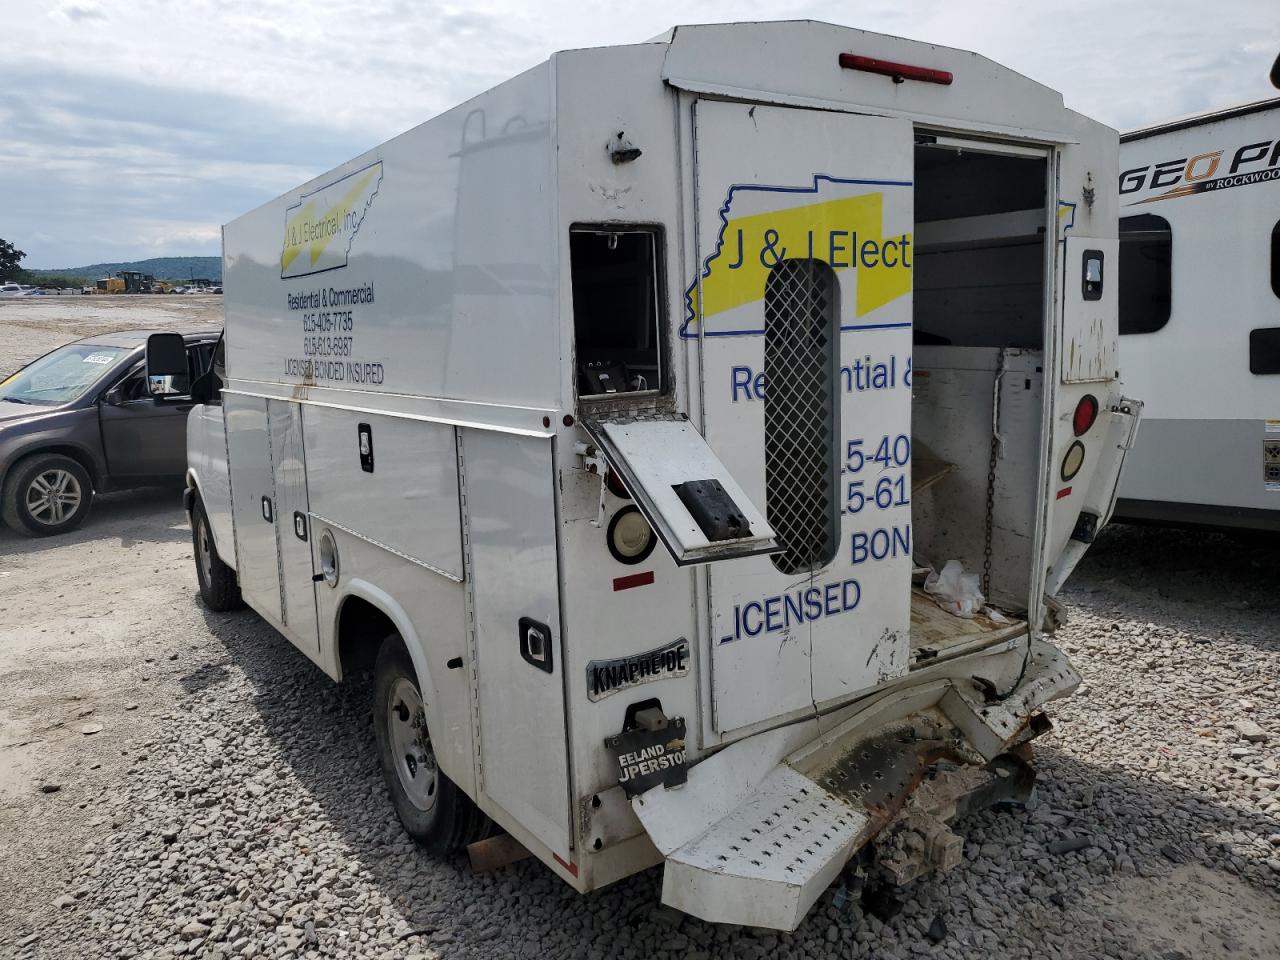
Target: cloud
(76, 12)
(117, 135)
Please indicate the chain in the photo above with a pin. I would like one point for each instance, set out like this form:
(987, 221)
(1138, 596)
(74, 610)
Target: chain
(991, 477)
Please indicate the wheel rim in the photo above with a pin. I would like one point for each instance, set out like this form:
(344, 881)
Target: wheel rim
(411, 745)
(54, 496)
(204, 550)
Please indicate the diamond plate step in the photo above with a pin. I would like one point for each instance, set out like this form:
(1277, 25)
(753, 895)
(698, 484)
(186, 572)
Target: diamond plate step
(767, 861)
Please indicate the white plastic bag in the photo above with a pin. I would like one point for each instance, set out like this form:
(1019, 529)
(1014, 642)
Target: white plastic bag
(954, 590)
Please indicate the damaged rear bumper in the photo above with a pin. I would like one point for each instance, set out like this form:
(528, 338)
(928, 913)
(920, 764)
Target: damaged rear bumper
(761, 828)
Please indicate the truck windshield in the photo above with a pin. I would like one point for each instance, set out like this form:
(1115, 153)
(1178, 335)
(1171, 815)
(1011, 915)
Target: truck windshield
(61, 376)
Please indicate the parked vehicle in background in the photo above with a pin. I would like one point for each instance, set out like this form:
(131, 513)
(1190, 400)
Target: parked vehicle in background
(12, 289)
(79, 421)
(626, 517)
(1200, 317)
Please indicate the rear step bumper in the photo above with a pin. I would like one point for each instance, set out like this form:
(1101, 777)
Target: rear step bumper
(762, 828)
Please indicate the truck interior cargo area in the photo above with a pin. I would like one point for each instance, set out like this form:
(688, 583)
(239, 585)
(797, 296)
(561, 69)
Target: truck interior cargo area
(937, 634)
(617, 317)
(978, 379)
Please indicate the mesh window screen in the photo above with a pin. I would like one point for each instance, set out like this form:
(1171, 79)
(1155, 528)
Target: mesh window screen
(801, 366)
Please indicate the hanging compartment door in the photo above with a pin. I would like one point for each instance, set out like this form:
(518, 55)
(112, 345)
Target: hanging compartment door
(293, 524)
(802, 304)
(511, 535)
(253, 503)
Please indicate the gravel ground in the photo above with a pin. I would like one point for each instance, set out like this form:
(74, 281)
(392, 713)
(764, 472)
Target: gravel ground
(218, 796)
(31, 326)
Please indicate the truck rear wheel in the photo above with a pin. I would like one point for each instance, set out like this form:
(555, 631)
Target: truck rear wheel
(219, 586)
(46, 494)
(438, 815)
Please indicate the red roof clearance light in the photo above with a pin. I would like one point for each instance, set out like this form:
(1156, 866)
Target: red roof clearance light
(1085, 415)
(898, 71)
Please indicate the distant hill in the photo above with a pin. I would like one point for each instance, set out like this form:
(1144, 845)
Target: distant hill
(162, 268)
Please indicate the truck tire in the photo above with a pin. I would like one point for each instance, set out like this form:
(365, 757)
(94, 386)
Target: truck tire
(439, 816)
(46, 494)
(219, 586)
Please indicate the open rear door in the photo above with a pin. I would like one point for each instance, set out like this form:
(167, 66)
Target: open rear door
(1083, 501)
(692, 502)
(801, 306)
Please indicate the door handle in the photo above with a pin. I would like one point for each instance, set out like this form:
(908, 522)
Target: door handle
(535, 644)
(268, 512)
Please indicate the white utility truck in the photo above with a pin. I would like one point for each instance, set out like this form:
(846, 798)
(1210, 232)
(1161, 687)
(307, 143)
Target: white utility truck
(1200, 317)
(611, 417)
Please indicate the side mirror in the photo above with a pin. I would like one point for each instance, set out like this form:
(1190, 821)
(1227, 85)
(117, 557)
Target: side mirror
(1275, 74)
(167, 372)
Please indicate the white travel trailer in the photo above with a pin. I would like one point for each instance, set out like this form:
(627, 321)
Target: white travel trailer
(1200, 317)
(610, 416)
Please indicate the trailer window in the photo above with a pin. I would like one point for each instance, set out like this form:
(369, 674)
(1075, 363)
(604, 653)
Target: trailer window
(617, 310)
(1275, 259)
(1146, 256)
(801, 366)
(1264, 350)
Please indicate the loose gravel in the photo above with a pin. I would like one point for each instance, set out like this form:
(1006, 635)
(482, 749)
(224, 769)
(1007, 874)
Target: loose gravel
(230, 805)
(250, 819)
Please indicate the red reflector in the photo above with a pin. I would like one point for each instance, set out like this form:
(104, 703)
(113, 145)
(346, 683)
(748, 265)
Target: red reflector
(616, 486)
(571, 867)
(1085, 415)
(635, 580)
(898, 71)
(1064, 492)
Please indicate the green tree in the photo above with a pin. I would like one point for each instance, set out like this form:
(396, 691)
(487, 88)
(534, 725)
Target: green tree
(10, 258)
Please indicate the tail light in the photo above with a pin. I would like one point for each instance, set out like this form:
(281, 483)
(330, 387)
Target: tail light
(1073, 461)
(616, 486)
(1086, 414)
(630, 538)
(897, 71)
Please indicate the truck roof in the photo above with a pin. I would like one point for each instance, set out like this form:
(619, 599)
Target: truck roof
(1199, 119)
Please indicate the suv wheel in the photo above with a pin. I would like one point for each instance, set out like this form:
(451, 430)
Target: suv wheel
(46, 494)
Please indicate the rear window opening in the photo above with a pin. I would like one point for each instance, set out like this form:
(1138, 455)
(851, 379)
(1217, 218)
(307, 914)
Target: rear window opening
(979, 251)
(978, 380)
(617, 310)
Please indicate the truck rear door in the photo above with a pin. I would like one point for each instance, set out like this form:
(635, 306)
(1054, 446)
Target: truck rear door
(801, 307)
(1096, 427)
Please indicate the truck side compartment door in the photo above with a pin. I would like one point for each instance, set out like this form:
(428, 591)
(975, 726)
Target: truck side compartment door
(253, 503)
(511, 535)
(293, 525)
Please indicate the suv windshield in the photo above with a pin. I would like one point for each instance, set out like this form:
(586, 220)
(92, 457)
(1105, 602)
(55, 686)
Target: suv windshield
(61, 376)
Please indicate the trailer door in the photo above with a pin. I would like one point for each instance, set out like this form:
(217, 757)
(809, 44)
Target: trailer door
(802, 309)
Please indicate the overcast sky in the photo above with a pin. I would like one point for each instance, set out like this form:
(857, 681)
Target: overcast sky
(135, 128)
